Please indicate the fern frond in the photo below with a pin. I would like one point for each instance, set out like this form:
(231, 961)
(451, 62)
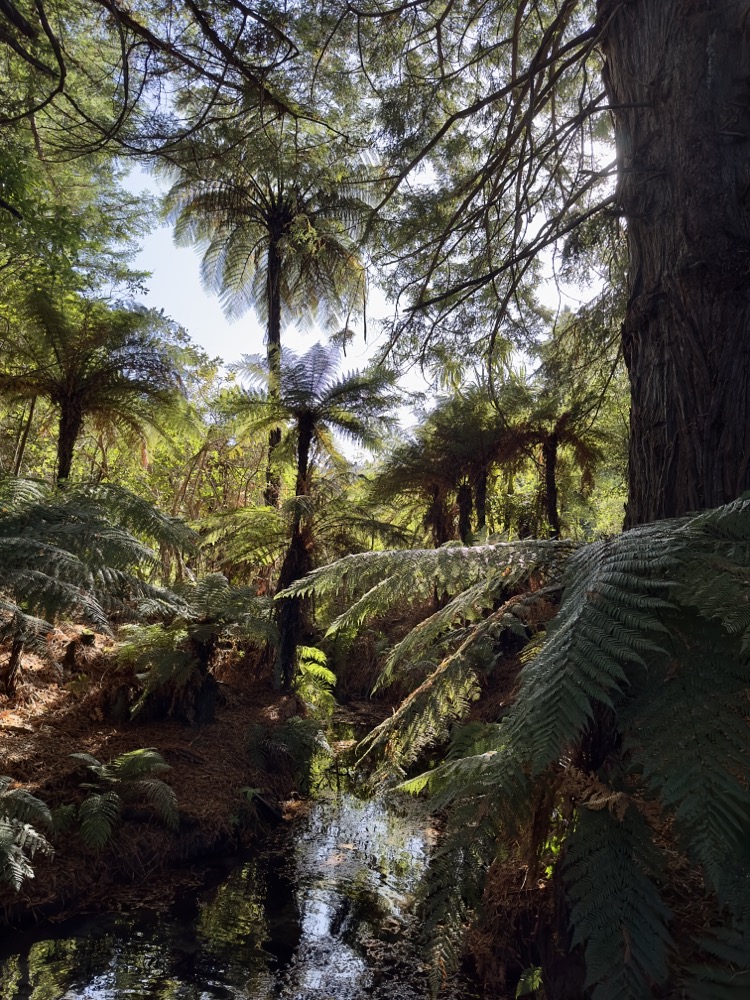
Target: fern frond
(136, 763)
(97, 815)
(446, 570)
(425, 718)
(18, 839)
(450, 893)
(686, 731)
(616, 910)
(18, 804)
(159, 796)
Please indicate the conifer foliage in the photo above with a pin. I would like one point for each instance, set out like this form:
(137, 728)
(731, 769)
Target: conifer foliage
(631, 714)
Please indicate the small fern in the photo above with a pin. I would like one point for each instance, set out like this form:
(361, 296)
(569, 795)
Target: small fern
(126, 778)
(20, 815)
(314, 682)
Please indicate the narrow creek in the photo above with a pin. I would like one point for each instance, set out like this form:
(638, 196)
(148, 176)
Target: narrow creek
(322, 912)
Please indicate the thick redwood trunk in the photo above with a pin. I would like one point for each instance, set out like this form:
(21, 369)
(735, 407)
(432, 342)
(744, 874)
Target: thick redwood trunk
(679, 73)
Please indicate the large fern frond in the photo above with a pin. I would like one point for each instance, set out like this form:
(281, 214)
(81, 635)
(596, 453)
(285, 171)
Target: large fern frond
(648, 655)
(379, 581)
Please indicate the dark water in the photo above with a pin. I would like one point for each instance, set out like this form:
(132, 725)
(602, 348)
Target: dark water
(320, 914)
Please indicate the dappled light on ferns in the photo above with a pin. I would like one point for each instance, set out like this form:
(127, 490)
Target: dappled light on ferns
(174, 655)
(635, 705)
(80, 552)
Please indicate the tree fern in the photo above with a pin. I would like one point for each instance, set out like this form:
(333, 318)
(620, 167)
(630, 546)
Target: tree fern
(379, 581)
(72, 552)
(175, 657)
(635, 704)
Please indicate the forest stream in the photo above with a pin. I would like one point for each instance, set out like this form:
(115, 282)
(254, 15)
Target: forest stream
(322, 912)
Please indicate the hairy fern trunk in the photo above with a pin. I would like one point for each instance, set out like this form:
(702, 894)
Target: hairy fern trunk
(273, 355)
(291, 614)
(678, 75)
(71, 421)
(9, 673)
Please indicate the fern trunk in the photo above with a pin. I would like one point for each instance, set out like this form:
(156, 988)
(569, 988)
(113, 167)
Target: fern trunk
(464, 501)
(678, 75)
(273, 357)
(71, 421)
(549, 465)
(291, 614)
(9, 673)
(480, 499)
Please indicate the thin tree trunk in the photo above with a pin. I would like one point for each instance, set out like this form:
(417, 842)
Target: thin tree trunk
(273, 357)
(71, 421)
(677, 74)
(21, 447)
(549, 463)
(291, 614)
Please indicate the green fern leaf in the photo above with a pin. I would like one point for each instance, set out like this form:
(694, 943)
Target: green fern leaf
(97, 816)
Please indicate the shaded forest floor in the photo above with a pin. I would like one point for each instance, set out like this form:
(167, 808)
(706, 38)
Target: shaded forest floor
(57, 713)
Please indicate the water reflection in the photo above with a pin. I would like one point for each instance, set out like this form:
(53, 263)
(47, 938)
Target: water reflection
(291, 925)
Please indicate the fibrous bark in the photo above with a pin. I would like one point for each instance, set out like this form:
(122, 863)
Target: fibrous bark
(678, 73)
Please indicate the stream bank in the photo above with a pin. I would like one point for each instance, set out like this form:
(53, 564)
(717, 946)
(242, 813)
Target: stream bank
(320, 912)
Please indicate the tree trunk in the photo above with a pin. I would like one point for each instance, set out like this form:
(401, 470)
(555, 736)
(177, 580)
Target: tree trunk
(463, 499)
(480, 499)
(21, 447)
(9, 673)
(549, 463)
(305, 434)
(678, 73)
(292, 612)
(437, 518)
(71, 421)
(273, 358)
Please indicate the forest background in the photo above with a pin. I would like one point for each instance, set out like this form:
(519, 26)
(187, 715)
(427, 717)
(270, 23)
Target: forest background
(450, 155)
